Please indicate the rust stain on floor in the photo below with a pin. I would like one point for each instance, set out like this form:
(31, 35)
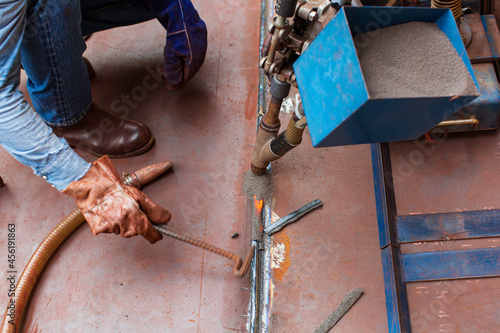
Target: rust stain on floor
(280, 254)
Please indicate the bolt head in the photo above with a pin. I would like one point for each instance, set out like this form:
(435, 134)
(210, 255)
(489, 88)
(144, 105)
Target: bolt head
(312, 16)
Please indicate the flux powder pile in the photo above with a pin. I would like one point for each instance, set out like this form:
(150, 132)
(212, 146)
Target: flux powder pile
(258, 187)
(414, 59)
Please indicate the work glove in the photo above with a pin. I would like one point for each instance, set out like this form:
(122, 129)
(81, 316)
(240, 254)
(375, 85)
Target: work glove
(110, 206)
(186, 44)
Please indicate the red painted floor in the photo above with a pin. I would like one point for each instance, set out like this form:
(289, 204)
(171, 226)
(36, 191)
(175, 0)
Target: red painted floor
(331, 250)
(207, 129)
(335, 249)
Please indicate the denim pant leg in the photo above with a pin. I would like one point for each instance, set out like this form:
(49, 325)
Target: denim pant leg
(58, 82)
(51, 53)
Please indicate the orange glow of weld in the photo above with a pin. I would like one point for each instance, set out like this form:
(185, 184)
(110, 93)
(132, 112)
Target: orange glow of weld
(258, 204)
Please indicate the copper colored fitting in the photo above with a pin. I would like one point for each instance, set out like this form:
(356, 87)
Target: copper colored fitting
(273, 111)
(294, 132)
(268, 130)
(146, 175)
(270, 148)
(266, 46)
(279, 24)
(258, 171)
(264, 136)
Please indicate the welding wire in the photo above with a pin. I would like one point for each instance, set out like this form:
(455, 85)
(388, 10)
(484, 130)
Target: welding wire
(292, 217)
(340, 311)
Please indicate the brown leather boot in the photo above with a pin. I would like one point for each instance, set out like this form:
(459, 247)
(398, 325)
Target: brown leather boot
(90, 68)
(104, 133)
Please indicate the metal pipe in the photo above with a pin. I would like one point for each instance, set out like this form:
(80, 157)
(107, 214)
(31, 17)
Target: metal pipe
(271, 118)
(269, 125)
(471, 121)
(18, 302)
(264, 136)
(268, 129)
(275, 40)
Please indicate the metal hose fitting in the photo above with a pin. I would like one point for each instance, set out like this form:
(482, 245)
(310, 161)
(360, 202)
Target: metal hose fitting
(277, 146)
(264, 135)
(18, 302)
(294, 132)
(285, 8)
(287, 140)
(146, 175)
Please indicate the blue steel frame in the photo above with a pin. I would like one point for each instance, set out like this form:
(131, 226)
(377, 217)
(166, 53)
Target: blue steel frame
(394, 230)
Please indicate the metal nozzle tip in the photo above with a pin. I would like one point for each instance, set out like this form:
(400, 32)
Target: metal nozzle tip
(150, 173)
(162, 167)
(258, 171)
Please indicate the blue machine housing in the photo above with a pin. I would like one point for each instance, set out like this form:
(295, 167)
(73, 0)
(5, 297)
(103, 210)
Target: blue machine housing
(484, 108)
(334, 94)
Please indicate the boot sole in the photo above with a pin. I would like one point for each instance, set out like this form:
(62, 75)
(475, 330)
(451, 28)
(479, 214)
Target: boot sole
(133, 153)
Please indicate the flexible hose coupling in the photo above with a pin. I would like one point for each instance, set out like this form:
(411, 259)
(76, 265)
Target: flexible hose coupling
(274, 147)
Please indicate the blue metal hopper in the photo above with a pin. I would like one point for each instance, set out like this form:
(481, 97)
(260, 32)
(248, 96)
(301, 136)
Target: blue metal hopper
(335, 97)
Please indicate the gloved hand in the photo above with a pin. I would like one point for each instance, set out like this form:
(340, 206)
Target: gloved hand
(111, 206)
(186, 44)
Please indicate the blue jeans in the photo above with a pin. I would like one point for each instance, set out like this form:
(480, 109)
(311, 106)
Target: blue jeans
(52, 49)
(46, 36)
